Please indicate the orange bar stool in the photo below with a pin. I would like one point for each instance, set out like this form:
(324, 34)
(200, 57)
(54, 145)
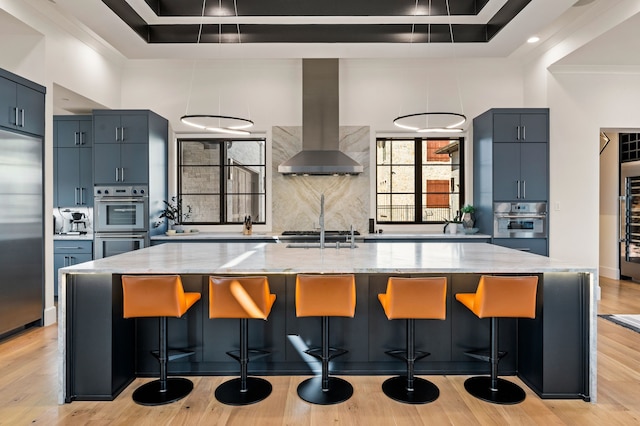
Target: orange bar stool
(325, 296)
(242, 298)
(159, 296)
(411, 299)
(499, 297)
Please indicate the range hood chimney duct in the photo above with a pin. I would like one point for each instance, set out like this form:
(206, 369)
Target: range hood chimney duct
(320, 153)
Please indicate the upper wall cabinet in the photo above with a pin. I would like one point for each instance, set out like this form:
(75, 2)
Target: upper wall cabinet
(126, 143)
(521, 127)
(72, 160)
(21, 104)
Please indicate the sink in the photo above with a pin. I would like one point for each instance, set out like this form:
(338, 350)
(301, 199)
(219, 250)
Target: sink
(334, 245)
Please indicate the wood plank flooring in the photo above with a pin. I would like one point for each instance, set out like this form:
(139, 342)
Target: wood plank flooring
(28, 386)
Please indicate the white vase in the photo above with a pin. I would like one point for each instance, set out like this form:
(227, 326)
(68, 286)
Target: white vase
(452, 228)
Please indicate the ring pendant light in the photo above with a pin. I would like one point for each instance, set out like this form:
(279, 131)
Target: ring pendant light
(445, 122)
(217, 123)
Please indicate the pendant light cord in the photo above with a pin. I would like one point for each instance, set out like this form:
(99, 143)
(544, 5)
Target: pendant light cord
(455, 57)
(193, 66)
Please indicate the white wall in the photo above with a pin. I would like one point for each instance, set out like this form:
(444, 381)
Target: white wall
(609, 225)
(34, 47)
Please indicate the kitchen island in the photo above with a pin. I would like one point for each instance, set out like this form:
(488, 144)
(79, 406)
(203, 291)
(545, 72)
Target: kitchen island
(101, 353)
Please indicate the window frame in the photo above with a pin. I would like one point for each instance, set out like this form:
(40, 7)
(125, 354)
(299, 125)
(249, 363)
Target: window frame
(225, 169)
(418, 164)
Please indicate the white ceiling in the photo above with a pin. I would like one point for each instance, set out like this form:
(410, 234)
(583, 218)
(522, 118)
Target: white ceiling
(607, 44)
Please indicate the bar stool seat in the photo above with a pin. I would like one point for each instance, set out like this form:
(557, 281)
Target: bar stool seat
(160, 296)
(499, 297)
(411, 299)
(325, 296)
(242, 298)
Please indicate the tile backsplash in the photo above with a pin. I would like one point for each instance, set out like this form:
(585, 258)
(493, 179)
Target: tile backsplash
(296, 199)
(62, 219)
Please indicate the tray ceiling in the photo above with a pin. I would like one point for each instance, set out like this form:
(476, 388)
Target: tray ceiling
(333, 21)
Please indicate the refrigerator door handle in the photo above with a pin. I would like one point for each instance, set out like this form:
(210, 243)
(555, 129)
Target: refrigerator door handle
(622, 217)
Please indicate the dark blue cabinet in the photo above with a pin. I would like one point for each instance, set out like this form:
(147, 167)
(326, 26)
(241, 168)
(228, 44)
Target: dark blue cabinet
(510, 164)
(73, 161)
(21, 107)
(67, 253)
(123, 141)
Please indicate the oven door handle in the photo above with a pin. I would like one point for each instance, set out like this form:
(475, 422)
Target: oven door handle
(520, 216)
(120, 200)
(111, 235)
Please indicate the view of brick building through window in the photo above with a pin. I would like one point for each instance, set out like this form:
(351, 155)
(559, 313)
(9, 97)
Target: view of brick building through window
(421, 188)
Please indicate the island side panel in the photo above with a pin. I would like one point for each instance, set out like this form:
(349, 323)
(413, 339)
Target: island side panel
(100, 344)
(554, 348)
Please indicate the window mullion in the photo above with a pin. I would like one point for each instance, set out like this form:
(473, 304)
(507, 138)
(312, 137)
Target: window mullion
(418, 180)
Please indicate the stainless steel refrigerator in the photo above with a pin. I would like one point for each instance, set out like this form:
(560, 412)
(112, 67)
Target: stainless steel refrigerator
(21, 231)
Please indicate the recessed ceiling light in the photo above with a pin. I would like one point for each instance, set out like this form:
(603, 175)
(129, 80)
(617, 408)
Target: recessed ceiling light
(533, 39)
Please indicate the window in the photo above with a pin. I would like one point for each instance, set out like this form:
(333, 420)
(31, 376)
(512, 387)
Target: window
(223, 180)
(418, 180)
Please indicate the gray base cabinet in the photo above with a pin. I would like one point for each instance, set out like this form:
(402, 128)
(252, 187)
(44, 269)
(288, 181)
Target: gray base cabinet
(67, 253)
(73, 159)
(530, 245)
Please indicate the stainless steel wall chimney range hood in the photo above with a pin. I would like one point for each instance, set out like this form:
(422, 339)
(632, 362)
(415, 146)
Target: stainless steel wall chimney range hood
(320, 153)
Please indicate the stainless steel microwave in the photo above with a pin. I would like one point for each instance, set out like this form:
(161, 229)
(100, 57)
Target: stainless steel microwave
(520, 220)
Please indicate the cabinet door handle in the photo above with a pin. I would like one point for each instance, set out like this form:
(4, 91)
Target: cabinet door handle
(68, 248)
(122, 174)
(81, 138)
(66, 261)
(518, 137)
(122, 134)
(75, 195)
(117, 174)
(117, 135)
(15, 111)
(524, 189)
(518, 189)
(82, 196)
(21, 117)
(524, 132)
(76, 139)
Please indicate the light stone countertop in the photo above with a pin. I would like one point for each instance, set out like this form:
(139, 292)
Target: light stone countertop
(190, 236)
(66, 237)
(380, 257)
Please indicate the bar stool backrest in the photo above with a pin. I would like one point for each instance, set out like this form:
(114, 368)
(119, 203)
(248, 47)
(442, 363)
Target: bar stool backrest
(325, 295)
(417, 298)
(502, 296)
(240, 297)
(155, 296)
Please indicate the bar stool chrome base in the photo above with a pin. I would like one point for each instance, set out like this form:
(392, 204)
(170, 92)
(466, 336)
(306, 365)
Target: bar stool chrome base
(231, 393)
(507, 393)
(151, 393)
(423, 390)
(338, 390)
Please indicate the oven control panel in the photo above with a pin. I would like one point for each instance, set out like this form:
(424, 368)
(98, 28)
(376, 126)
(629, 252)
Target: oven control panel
(121, 191)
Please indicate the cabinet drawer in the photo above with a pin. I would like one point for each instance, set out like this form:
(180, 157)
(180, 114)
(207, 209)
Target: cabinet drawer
(73, 246)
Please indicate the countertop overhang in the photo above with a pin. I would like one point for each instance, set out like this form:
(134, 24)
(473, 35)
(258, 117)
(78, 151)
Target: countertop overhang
(380, 257)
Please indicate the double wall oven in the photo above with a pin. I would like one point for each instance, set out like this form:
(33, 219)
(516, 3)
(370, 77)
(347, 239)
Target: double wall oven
(121, 219)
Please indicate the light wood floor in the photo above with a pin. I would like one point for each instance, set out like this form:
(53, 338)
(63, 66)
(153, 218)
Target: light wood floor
(28, 386)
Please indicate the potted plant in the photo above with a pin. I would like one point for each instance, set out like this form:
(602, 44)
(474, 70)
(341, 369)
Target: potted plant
(467, 216)
(175, 213)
